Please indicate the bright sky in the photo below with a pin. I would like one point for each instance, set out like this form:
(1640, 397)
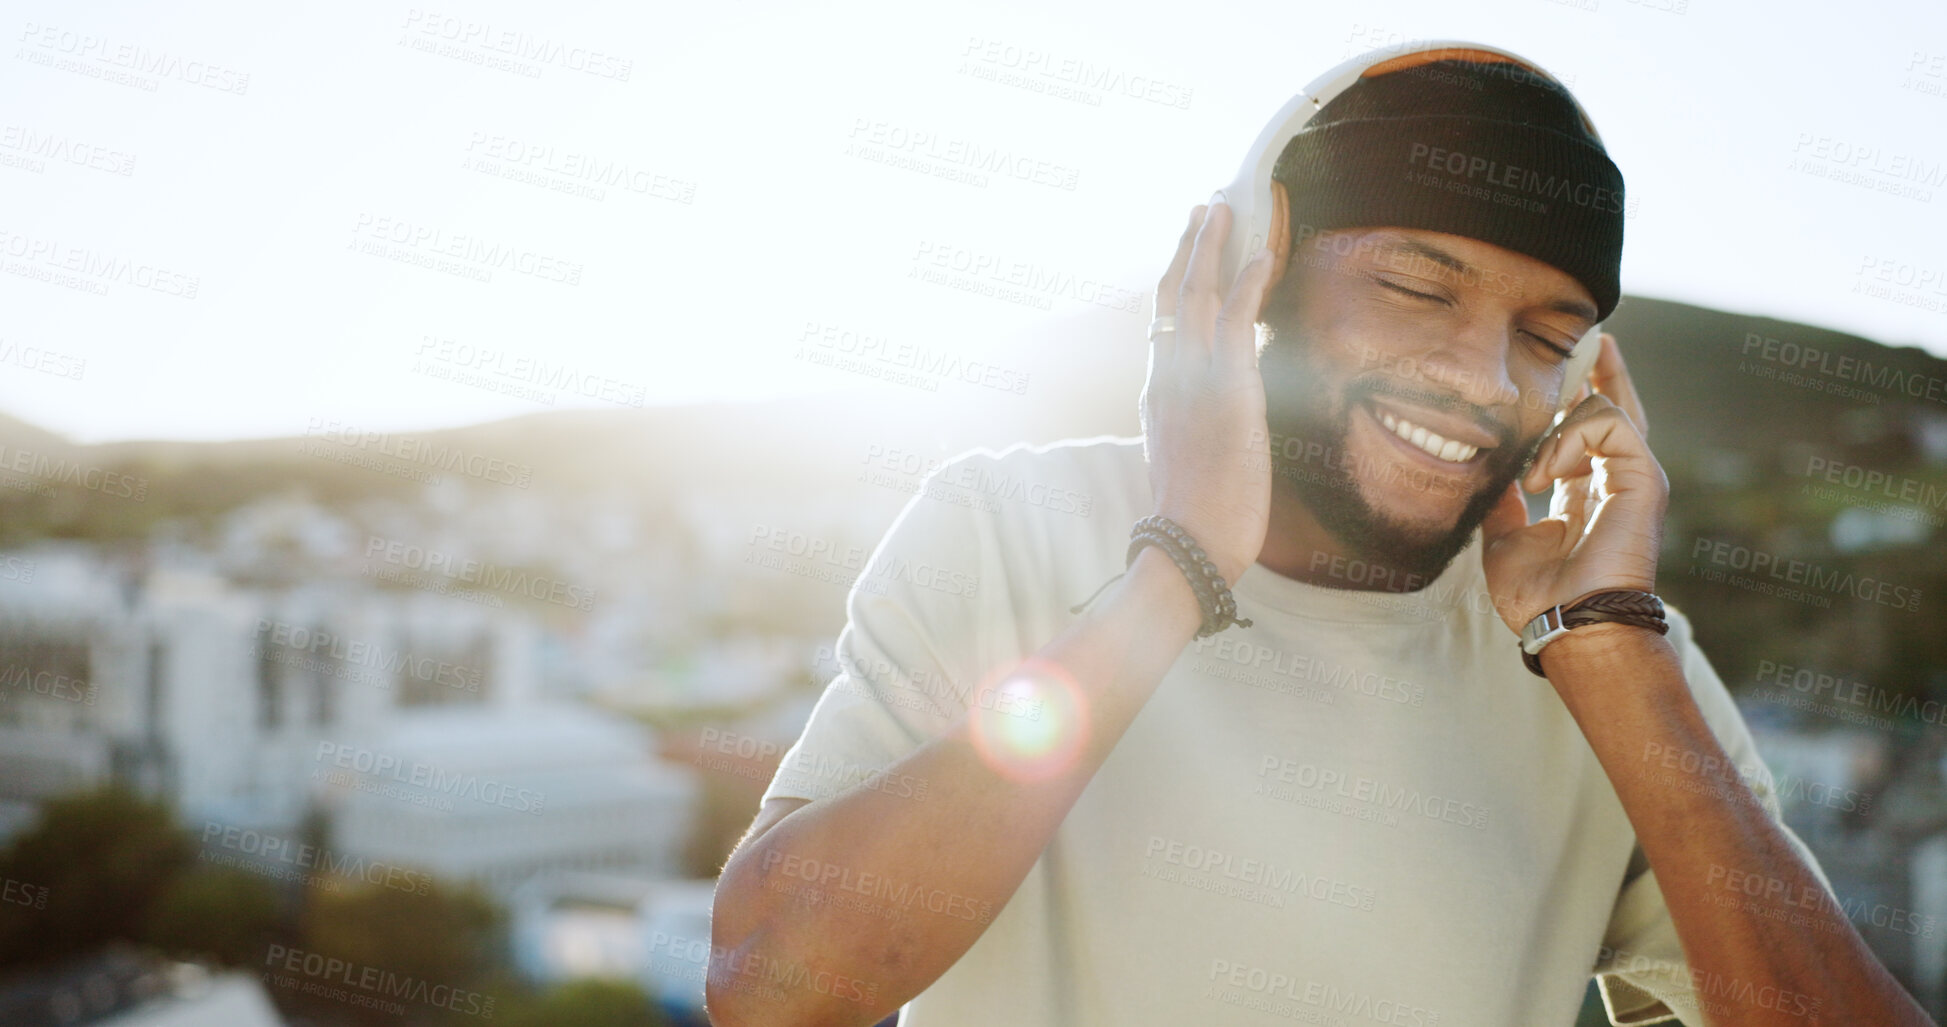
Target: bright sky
(335, 212)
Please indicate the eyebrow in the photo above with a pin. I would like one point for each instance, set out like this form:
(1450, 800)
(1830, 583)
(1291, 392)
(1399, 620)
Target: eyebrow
(1573, 308)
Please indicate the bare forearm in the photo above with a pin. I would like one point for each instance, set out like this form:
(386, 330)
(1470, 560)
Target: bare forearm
(1756, 959)
(962, 851)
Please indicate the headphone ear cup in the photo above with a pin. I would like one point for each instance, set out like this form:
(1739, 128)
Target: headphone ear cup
(1581, 361)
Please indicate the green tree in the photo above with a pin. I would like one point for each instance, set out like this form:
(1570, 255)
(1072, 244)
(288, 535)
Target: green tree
(590, 1002)
(102, 859)
(419, 931)
(220, 913)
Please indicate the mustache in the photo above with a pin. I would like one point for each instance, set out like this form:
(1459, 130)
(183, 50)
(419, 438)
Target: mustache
(1363, 388)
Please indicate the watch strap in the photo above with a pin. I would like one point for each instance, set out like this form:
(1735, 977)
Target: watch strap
(1618, 606)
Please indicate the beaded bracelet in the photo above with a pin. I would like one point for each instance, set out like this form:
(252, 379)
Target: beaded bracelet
(1214, 597)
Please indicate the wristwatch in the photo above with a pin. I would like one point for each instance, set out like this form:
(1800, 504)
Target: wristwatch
(1620, 606)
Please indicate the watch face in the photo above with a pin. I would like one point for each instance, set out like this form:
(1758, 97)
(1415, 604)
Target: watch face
(1545, 628)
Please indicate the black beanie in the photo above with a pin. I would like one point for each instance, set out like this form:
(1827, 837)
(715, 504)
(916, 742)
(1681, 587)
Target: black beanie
(1491, 151)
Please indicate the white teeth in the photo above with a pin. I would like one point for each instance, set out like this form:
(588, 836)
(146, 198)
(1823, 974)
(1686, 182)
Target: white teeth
(1435, 445)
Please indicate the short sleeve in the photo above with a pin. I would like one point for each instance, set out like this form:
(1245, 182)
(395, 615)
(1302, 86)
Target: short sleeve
(1641, 970)
(920, 631)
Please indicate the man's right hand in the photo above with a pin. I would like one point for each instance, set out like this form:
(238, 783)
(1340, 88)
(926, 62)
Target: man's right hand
(1203, 415)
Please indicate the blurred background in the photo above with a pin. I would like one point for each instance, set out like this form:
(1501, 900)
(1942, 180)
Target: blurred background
(436, 445)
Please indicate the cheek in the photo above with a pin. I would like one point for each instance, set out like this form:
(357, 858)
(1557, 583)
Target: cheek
(1293, 389)
(1340, 348)
(1363, 340)
(1541, 392)
(1536, 414)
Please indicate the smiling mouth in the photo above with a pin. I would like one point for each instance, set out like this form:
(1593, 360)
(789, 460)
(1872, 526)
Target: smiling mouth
(1429, 442)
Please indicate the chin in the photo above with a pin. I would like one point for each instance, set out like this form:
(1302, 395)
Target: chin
(1426, 544)
(1420, 516)
(1414, 528)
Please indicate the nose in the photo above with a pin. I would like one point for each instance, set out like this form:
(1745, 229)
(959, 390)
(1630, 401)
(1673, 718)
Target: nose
(1470, 360)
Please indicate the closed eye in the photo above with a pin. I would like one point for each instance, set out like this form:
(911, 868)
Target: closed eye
(1564, 353)
(1396, 287)
(1558, 349)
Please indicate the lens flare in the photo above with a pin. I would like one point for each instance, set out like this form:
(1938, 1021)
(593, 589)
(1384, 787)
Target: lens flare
(1030, 724)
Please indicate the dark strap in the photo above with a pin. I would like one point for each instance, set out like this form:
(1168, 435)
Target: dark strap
(1614, 606)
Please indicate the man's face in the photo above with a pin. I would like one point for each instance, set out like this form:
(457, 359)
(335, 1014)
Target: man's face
(1409, 376)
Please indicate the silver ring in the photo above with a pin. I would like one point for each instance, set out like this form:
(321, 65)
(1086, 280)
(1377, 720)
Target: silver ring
(1163, 323)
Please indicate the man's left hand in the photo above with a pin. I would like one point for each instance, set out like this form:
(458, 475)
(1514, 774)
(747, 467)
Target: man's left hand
(1604, 527)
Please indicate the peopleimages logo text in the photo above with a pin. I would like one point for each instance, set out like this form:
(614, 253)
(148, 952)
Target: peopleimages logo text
(426, 775)
(490, 576)
(1519, 179)
(274, 849)
(1844, 367)
(387, 662)
(371, 979)
(1800, 572)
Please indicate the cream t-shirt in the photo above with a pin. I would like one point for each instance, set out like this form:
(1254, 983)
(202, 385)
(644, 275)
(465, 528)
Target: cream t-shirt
(1361, 810)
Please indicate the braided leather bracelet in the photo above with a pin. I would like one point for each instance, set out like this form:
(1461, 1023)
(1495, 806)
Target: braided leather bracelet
(1619, 606)
(1213, 595)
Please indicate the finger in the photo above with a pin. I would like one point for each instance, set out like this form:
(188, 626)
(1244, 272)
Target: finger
(1537, 477)
(1596, 428)
(1570, 503)
(1610, 378)
(1198, 299)
(1533, 480)
(1172, 280)
(1565, 503)
(1235, 344)
(1162, 346)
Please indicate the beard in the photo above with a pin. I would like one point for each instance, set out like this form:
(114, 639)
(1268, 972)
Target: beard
(1313, 461)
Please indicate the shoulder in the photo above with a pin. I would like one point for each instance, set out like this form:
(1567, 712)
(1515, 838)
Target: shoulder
(996, 545)
(1052, 517)
(1103, 458)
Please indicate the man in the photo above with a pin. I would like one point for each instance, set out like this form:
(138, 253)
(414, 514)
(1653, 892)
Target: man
(1355, 804)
